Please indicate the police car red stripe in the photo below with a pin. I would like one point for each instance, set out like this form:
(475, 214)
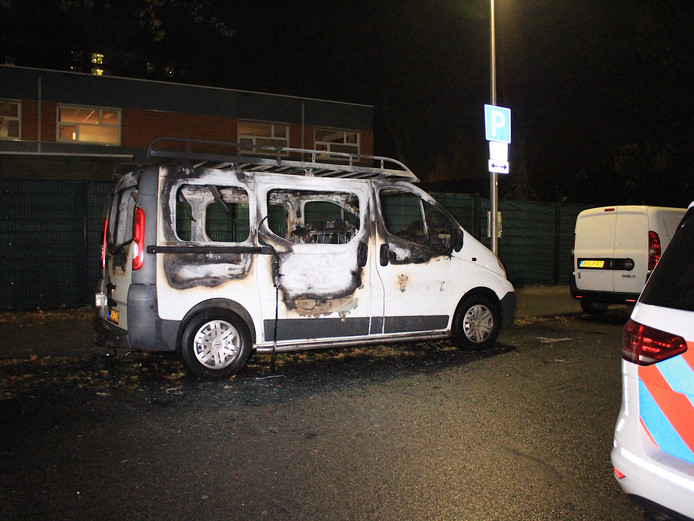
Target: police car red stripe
(666, 398)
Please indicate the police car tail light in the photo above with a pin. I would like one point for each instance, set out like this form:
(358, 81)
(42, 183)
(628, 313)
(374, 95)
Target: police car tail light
(138, 239)
(654, 249)
(644, 345)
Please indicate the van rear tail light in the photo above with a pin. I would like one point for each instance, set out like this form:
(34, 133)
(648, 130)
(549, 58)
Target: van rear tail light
(138, 239)
(104, 247)
(653, 249)
(644, 345)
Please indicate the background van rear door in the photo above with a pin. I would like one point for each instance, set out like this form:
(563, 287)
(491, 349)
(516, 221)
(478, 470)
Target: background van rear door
(630, 250)
(595, 237)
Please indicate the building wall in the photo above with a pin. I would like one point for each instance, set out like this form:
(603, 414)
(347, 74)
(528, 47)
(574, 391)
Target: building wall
(150, 110)
(140, 127)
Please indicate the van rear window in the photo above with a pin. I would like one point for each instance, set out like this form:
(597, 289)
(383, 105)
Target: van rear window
(672, 283)
(120, 217)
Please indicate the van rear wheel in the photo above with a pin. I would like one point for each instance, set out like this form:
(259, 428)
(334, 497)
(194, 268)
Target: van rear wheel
(215, 344)
(477, 322)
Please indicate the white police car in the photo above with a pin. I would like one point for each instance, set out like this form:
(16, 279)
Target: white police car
(653, 452)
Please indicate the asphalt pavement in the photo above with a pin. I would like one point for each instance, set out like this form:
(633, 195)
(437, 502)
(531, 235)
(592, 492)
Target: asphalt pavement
(422, 431)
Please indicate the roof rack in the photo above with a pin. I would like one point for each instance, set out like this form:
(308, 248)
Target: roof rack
(278, 160)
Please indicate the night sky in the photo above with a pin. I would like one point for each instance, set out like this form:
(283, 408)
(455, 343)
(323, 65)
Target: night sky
(600, 92)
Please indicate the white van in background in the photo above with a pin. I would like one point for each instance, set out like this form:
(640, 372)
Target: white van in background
(615, 250)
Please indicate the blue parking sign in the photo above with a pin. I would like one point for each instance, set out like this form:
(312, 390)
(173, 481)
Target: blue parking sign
(497, 123)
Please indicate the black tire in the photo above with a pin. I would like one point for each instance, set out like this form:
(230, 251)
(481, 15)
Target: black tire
(215, 344)
(593, 308)
(477, 322)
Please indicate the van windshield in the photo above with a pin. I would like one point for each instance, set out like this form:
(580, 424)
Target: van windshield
(672, 283)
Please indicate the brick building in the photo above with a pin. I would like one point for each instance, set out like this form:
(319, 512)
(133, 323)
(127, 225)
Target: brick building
(67, 125)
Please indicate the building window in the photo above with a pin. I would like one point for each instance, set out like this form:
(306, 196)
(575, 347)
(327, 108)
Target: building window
(10, 119)
(258, 134)
(336, 140)
(89, 125)
(97, 64)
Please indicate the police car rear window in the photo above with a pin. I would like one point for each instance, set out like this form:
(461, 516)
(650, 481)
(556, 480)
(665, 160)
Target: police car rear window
(672, 283)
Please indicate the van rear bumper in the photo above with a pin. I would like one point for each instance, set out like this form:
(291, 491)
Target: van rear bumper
(604, 297)
(161, 337)
(146, 330)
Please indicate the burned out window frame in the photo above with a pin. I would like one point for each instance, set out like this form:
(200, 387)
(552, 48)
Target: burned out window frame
(297, 231)
(197, 228)
(419, 227)
(410, 223)
(121, 216)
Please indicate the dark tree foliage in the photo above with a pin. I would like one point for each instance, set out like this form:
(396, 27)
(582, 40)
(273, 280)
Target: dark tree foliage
(599, 91)
(144, 38)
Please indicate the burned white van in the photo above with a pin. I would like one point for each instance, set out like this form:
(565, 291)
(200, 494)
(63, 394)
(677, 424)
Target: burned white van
(216, 255)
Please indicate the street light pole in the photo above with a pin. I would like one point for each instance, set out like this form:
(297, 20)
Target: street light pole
(494, 184)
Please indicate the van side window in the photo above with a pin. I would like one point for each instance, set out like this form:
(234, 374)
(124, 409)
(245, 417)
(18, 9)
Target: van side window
(439, 228)
(402, 214)
(309, 217)
(208, 213)
(406, 215)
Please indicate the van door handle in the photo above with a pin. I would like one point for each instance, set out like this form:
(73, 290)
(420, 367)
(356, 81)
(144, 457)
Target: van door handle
(383, 255)
(362, 254)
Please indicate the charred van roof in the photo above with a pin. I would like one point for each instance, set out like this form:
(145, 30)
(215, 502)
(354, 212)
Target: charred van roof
(240, 157)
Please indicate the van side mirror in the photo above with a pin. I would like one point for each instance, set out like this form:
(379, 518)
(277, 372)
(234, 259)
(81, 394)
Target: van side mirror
(383, 255)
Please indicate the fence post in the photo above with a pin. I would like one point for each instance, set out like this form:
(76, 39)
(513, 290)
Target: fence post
(84, 202)
(557, 241)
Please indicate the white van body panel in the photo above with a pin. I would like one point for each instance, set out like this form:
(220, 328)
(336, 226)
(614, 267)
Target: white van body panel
(611, 250)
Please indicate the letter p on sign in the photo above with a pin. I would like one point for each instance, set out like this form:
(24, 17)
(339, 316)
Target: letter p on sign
(497, 123)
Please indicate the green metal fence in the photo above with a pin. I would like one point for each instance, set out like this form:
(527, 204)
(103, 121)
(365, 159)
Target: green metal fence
(50, 240)
(49, 236)
(535, 245)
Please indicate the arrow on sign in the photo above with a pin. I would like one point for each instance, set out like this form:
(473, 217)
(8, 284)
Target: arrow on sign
(499, 167)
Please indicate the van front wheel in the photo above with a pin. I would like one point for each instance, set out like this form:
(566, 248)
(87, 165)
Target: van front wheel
(215, 344)
(477, 322)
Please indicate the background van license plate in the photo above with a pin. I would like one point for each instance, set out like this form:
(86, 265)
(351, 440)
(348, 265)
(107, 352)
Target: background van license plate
(592, 264)
(113, 315)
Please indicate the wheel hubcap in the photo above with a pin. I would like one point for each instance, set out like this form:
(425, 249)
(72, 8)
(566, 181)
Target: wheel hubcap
(478, 323)
(216, 344)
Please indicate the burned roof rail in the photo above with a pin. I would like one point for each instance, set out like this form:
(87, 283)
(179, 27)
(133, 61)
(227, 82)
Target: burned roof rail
(281, 160)
(123, 168)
